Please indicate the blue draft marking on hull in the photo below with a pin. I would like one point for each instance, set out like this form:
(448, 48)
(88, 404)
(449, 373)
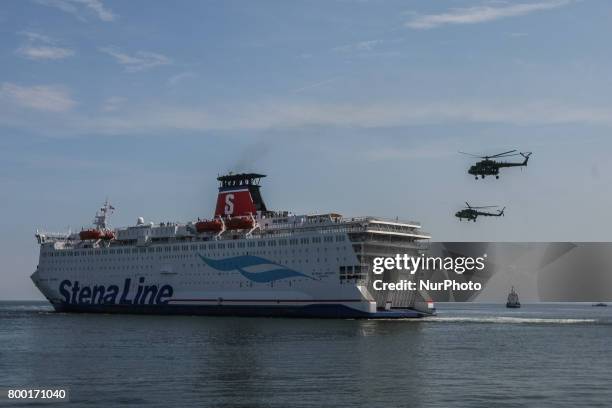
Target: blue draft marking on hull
(336, 311)
(238, 263)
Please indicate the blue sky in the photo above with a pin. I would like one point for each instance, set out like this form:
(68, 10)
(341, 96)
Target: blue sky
(351, 106)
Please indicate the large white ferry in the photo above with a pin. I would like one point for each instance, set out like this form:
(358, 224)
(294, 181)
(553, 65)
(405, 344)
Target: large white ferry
(246, 260)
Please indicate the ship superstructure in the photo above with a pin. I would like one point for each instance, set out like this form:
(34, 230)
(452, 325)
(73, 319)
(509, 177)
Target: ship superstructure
(246, 260)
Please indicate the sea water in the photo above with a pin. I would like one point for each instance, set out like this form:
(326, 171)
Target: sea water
(477, 355)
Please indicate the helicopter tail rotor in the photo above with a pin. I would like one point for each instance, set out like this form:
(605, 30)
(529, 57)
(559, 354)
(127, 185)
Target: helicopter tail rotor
(526, 156)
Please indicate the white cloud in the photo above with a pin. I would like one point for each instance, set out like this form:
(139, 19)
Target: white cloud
(45, 52)
(140, 61)
(42, 47)
(81, 8)
(50, 98)
(481, 14)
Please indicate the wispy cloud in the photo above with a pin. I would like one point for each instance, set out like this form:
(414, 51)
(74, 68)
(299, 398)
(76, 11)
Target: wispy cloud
(315, 85)
(81, 8)
(113, 103)
(481, 14)
(360, 46)
(36, 37)
(293, 115)
(44, 52)
(139, 61)
(178, 78)
(50, 98)
(41, 47)
(151, 118)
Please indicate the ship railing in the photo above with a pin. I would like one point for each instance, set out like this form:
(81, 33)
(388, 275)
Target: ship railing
(386, 221)
(344, 222)
(379, 244)
(343, 228)
(44, 236)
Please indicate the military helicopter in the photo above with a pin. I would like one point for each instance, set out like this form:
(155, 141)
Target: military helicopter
(488, 167)
(471, 213)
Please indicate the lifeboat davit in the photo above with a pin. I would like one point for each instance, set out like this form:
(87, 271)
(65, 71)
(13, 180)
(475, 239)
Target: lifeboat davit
(209, 226)
(96, 234)
(108, 235)
(240, 223)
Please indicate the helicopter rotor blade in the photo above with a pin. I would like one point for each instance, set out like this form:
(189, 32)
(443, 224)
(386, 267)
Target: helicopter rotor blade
(502, 154)
(486, 206)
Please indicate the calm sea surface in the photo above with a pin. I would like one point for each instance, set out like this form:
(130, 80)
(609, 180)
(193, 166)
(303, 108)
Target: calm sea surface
(544, 355)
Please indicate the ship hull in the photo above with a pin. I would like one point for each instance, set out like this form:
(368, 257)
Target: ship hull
(513, 305)
(334, 311)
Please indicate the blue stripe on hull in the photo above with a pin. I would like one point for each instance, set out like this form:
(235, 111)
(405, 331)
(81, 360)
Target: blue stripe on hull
(315, 311)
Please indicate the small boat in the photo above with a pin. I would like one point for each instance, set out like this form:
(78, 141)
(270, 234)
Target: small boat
(96, 234)
(209, 225)
(600, 304)
(235, 223)
(513, 300)
(90, 234)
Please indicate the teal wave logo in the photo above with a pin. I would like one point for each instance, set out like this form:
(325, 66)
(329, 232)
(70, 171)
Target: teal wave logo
(239, 263)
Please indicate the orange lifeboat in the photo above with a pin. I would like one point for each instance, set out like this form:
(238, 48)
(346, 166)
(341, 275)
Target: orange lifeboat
(240, 223)
(96, 234)
(209, 226)
(90, 234)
